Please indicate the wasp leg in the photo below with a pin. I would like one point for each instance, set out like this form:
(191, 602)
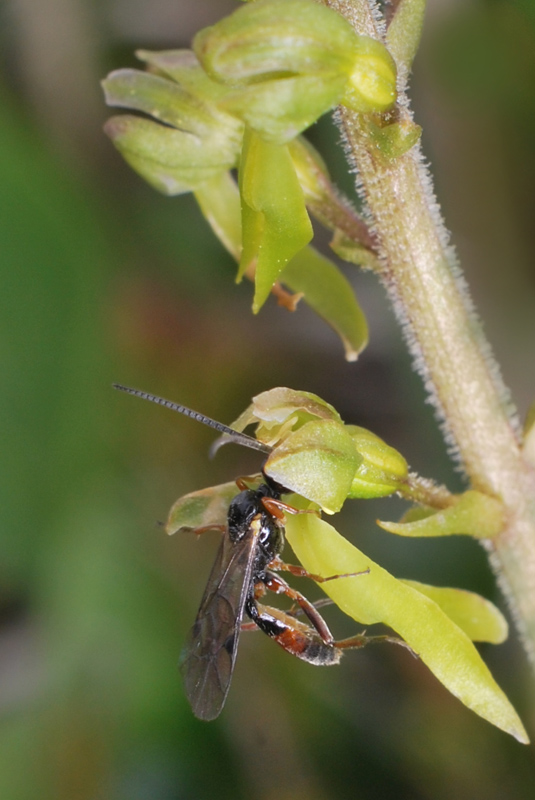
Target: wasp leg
(213, 527)
(278, 509)
(361, 640)
(296, 611)
(301, 572)
(249, 626)
(275, 584)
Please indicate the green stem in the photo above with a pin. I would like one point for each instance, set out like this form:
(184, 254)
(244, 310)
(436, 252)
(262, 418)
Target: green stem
(422, 277)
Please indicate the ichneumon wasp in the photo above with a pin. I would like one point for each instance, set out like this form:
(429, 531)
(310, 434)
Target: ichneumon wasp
(244, 570)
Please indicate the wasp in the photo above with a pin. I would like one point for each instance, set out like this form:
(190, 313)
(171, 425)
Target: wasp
(244, 570)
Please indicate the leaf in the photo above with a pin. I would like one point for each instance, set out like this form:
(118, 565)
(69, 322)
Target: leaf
(474, 514)
(329, 294)
(379, 597)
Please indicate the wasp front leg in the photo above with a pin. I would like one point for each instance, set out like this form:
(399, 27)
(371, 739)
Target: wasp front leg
(301, 572)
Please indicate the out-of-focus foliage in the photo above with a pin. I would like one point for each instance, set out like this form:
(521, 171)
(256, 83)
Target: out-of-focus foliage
(104, 280)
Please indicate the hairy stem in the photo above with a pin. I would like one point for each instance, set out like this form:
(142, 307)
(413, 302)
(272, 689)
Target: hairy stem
(419, 270)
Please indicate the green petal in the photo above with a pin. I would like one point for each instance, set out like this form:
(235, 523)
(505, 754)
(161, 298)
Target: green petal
(199, 509)
(172, 161)
(219, 201)
(160, 98)
(474, 514)
(275, 221)
(280, 109)
(318, 461)
(476, 616)
(276, 37)
(329, 294)
(379, 597)
(284, 407)
(183, 67)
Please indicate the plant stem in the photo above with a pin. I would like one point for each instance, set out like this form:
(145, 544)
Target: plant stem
(420, 272)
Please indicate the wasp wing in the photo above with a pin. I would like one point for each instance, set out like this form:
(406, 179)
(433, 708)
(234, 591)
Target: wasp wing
(208, 657)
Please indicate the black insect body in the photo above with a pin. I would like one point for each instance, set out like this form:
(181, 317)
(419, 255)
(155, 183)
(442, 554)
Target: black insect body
(253, 538)
(243, 571)
(240, 575)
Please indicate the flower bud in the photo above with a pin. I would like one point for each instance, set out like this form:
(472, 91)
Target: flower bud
(383, 470)
(372, 80)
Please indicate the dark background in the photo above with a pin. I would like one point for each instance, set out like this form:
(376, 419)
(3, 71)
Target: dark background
(103, 280)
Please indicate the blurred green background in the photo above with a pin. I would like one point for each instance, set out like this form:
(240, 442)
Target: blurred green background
(104, 280)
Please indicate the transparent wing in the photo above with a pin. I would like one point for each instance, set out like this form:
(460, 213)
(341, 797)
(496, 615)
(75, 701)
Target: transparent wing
(208, 657)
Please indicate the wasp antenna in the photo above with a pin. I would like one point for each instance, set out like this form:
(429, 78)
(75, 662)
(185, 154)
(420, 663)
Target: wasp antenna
(236, 436)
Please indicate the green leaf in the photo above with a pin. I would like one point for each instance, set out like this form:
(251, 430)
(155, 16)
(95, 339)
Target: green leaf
(379, 597)
(476, 616)
(327, 291)
(275, 222)
(318, 461)
(202, 508)
(474, 514)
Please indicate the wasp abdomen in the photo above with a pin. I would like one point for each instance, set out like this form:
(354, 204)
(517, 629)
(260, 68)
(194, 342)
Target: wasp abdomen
(296, 637)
